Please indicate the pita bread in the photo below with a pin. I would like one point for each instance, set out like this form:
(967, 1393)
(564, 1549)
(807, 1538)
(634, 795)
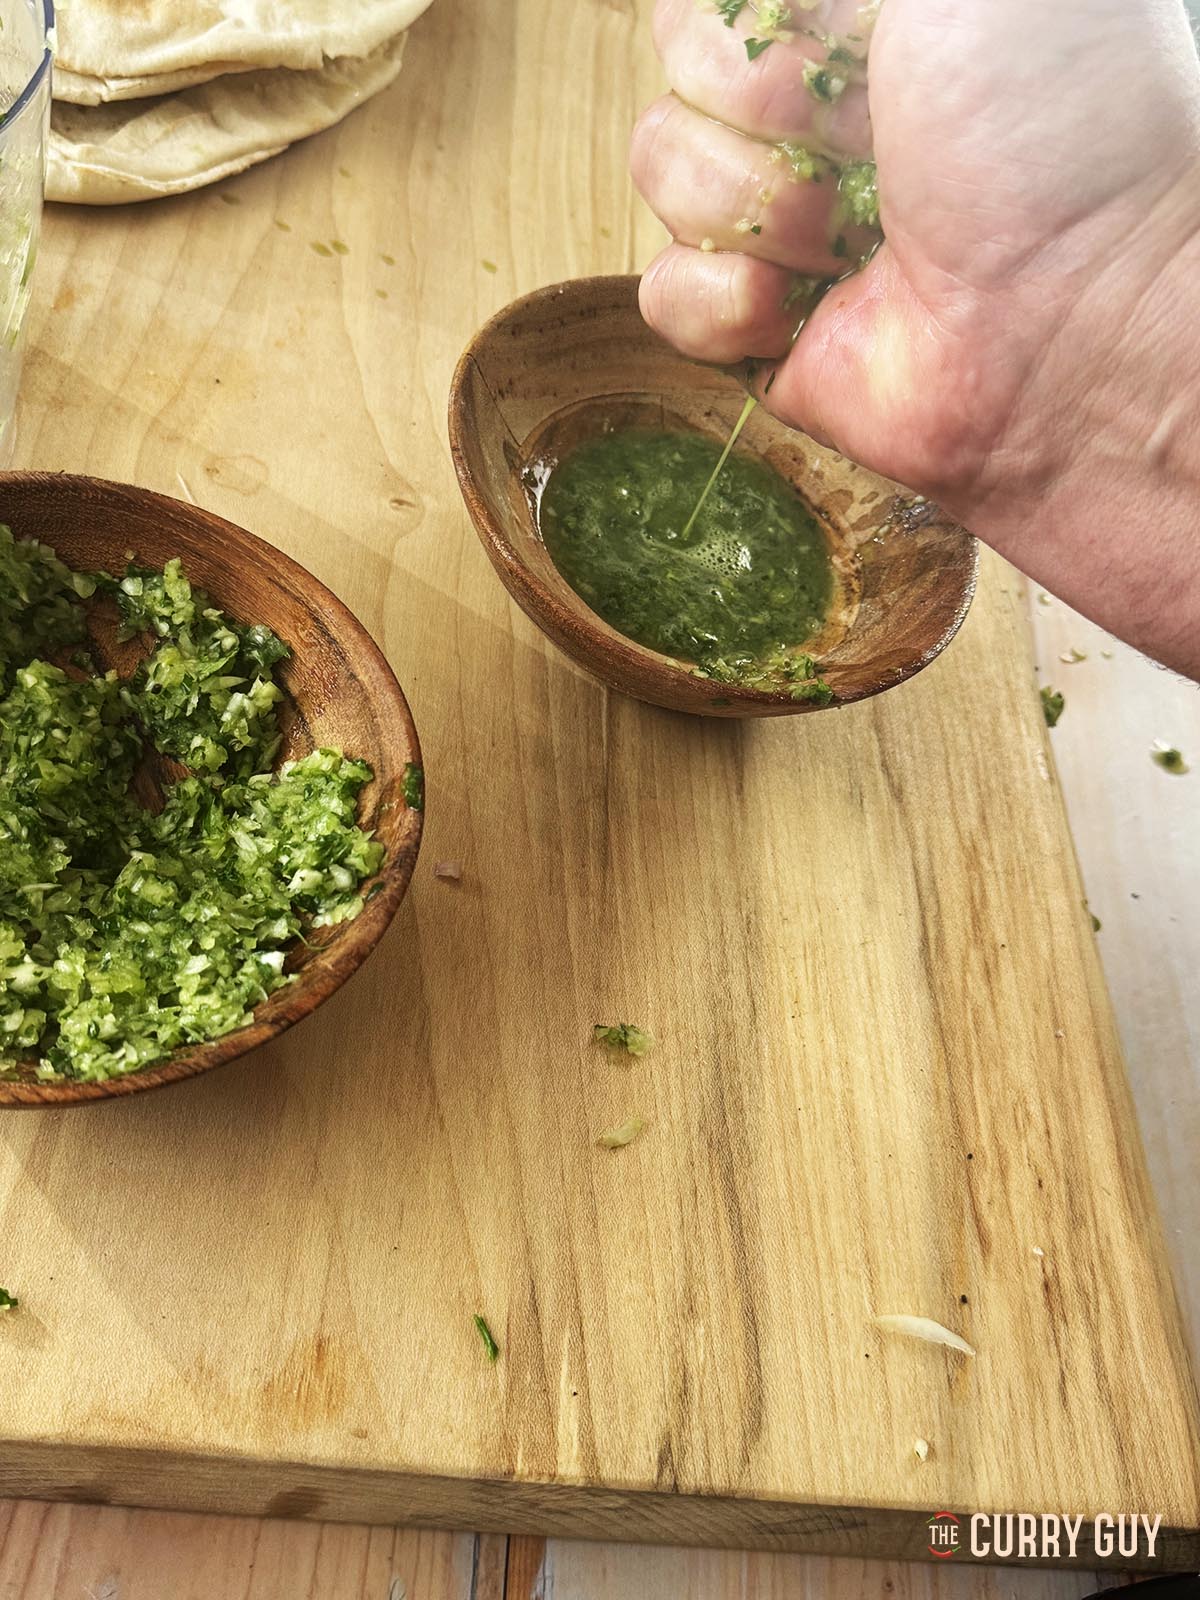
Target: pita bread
(109, 154)
(131, 39)
(81, 90)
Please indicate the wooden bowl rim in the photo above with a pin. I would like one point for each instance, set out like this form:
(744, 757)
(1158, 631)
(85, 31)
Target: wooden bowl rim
(347, 951)
(537, 600)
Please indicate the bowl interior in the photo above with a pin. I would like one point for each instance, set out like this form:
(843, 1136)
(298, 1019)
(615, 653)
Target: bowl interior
(569, 362)
(340, 693)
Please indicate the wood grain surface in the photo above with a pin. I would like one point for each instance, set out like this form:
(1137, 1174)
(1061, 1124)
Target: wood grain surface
(887, 1069)
(62, 1552)
(1131, 827)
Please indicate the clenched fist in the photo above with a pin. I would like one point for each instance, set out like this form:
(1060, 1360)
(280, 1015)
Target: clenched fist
(1025, 344)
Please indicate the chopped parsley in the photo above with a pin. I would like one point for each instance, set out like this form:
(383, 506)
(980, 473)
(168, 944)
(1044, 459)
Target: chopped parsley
(206, 696)
(8, 1302)
(774, 16)
(126, 932)
(623, 1036)
(818, 692)
(857, 181)
(1053, 705)
(794, 670)
(731, 10)
(1170, 760)
(491, 1348)
(807, 165)
(755, 47)
(412, 786)
(823, 83)
(39, 602)
(858, 191)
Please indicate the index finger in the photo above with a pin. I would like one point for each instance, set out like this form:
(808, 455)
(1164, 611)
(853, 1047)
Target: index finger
(766, 97)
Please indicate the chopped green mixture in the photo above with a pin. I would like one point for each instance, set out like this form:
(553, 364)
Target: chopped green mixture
(824, 82)
(617, 1138)
(775, 16)
(8, 1302)
(796, 670)
(857, 181)
(1053, 705)
(126, 932)
(413, 786)
(206, 696)
(1170, 760)
(39, 602)
(491, 1348)
(623, 1036)
(858, 190)
(806, 164)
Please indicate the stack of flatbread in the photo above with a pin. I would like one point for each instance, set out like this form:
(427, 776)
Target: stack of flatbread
(160, 96)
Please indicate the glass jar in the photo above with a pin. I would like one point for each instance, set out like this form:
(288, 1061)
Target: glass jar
(25, 38)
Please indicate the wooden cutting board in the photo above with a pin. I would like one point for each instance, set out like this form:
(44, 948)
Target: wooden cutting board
(887, 1078)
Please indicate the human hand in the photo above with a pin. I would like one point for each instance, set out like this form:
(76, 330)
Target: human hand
(1013, 340)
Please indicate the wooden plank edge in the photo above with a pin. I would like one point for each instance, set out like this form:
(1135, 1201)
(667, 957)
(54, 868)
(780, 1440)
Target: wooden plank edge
(1135, 1166)
(232, 1485)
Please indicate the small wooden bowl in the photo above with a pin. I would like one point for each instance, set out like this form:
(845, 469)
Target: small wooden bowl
(573, 360)
(341, 692)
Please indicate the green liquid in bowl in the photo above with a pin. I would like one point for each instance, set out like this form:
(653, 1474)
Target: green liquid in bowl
(753, 576)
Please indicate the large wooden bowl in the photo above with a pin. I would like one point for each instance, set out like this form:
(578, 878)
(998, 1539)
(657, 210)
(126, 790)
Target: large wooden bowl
(340, 692)
(567, 362)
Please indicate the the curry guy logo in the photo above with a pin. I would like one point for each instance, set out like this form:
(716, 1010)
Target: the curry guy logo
(1021, 1536)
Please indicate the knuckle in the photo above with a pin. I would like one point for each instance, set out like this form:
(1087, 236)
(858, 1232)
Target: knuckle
(645, 148)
